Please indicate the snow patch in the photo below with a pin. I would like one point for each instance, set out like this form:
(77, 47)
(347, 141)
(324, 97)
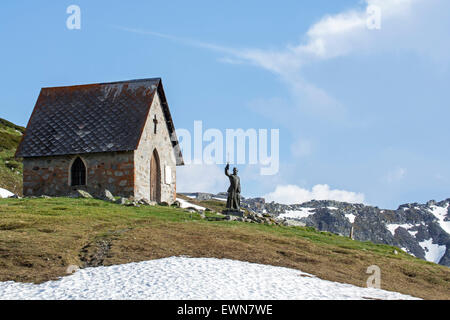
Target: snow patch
(297, 214)
(433, 252)
(183, 278)
(185, 204)
(393, 226)
(5, 193)
(351, 217)
(440, 213)
(413, 233)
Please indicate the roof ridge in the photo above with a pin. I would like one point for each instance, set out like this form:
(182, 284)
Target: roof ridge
(108, 117)
(105, 83)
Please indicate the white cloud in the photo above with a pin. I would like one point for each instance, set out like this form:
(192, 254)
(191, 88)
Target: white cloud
(417, 26)
(201, 178)
(332, 36)
(412, 25)
(291, 194)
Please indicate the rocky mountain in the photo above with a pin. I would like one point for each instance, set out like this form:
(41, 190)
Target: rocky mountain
(422, 230)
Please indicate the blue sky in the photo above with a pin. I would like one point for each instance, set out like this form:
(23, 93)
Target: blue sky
(365, 112)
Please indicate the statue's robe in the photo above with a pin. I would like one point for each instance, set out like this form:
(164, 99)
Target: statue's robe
(234, 192)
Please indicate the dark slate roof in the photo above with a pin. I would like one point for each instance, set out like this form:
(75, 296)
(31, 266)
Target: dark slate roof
(102, 117)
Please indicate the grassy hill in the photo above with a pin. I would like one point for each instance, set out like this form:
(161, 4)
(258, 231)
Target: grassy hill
(10, 168)
(40, 238)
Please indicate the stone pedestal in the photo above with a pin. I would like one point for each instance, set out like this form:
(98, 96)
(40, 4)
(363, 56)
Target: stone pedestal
(231, 212)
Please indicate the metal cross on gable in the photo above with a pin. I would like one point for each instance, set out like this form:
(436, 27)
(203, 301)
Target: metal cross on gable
(155, 121)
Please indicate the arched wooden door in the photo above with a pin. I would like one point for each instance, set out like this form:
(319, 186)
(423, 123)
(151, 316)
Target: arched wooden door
(155, 178)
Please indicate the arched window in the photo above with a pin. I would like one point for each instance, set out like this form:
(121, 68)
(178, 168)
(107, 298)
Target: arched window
(78, 173)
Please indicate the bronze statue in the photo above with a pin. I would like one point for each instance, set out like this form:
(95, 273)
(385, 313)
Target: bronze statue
(234, 191)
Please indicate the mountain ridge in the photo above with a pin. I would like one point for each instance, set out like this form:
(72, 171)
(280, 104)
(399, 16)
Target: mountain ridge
(422, 230)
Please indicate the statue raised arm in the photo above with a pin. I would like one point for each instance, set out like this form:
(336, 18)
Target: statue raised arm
(227, 167)
(234, 191)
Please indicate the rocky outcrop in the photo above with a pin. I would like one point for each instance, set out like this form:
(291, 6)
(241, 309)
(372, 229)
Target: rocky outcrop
(422, 230)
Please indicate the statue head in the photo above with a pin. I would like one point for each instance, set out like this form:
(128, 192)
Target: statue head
(235, 170)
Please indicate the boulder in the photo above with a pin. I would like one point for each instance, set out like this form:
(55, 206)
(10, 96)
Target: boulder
(132, 204)
(176, 204)
(146, 202)
(81, 194)
(108, 196)
(122, 201)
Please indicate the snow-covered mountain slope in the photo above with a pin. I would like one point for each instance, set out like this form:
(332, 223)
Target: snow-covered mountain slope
(191, 278)
(422, 230)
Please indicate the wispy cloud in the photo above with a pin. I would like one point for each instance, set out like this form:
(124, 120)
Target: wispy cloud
(291, 194)
(330, 37)
(185, 41)
(333, 36)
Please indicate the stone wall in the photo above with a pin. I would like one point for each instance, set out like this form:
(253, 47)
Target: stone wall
(50, 175)
(161, 142)
(123, 173)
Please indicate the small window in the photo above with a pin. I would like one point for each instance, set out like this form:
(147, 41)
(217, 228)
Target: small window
(78, 173)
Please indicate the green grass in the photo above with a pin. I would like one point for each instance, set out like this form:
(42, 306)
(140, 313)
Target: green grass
(10, 168)
(40, 237)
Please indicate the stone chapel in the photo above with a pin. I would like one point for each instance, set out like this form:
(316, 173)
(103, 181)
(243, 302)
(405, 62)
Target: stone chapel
(117, 136)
